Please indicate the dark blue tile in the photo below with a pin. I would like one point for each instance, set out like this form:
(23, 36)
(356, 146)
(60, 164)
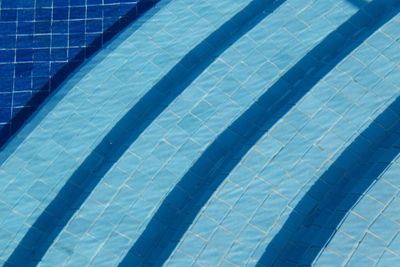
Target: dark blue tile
(42, 27)
(23, 69)
(94, 12)
(94, 2)
(5, 114)
(6, 70)
(41, 83)
(9, 15)
(21, 99)
(58, 54)
(77, 2)
(59, 40)
(25, 27)
(25, 14)
(24, 55)
(5, 100)
(24, 41)
(41, 41)
(7, 41)
(7, 84)
(77, 39)
(9, 4)
(47, 40)
(23, 83)
(78, 13)
(60, 3)
(76, 53)
(60, 13)
(94, 25)
(41, 69)
(43, 14)
(111, 10)
(7, 56)
(43, 3)
(42, 54)
(54, 67)
(108, 22)
(59, 27)
(8, 27)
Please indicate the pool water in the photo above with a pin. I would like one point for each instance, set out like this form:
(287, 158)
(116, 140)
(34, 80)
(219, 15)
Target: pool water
(215, 133)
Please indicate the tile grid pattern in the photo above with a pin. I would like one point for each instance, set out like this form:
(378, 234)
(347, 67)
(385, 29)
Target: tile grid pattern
(244, 212)
(29, 170)
(188, 139)
(41, 42)
(138, 169)
(370, 233)
(173, 152)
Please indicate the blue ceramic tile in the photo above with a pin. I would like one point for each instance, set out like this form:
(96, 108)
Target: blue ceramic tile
(209, 133)
(62, 33)
(329, 111)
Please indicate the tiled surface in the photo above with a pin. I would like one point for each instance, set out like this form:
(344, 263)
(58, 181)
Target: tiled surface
(249, 208)
(132, 190)
(44, 154)
(44, 39)
(140, 179)
(370, 233)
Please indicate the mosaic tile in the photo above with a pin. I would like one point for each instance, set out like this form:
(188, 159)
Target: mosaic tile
(42, 42)
(289, 187)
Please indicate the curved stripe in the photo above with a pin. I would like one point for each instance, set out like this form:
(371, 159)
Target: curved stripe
(369, 234)
(72, 65)
(75, 65)
(128, 129)
(316, 217)
(183, 203)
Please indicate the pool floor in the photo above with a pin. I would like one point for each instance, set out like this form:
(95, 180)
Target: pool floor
(217, 133)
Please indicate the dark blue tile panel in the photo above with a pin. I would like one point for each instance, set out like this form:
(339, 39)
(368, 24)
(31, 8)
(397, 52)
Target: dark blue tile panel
(43, 41)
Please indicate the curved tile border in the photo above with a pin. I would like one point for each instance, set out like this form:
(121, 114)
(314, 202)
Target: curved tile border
(315, 218)
(42, 42)
(248, 209)
(370, 233)
(115, 143)
(148, 170)
(184, 202)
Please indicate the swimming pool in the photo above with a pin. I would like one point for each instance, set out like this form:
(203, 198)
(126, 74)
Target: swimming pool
(215, 133)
